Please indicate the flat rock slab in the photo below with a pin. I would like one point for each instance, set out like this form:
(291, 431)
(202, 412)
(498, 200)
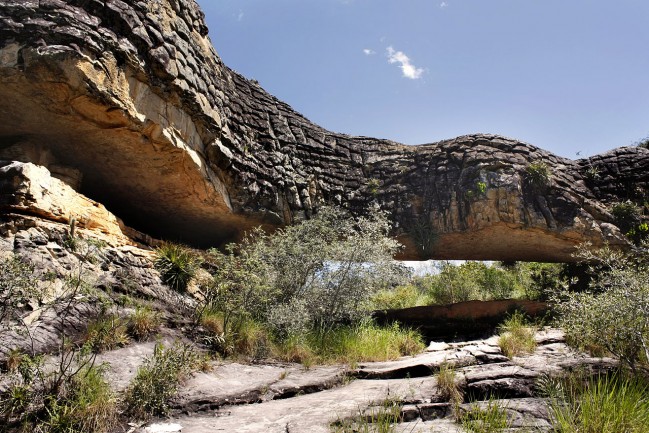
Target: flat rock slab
(290, 398)
(231, 384)
(311, 413)
(424, 364)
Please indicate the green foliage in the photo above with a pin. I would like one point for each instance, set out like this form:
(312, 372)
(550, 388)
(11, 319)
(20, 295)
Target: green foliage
(592, 173)
(311, 275)
(614, 313)
(84, 404)
(489, 419)
(628, 217)
(538, 175)
(106, 332)
(479, 281)
(516, 336)
(626, 214)
(400, 297)
(18, 285)
(643, 142)
(241, 288)
(424, 235)
(69, 394)
(143, 323)
(449, 388)
(382, 418)
(373, 186)
(603, 404)
(157, 380)
(87, 406)
(177, 265)
(365, 341)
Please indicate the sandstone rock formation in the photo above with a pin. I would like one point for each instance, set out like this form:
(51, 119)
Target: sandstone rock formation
(285, 397)
(128, 103)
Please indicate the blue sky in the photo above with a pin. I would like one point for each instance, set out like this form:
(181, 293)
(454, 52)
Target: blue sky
(566, 75)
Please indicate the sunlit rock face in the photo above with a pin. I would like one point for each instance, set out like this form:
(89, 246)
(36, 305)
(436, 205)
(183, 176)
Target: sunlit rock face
(128, 103)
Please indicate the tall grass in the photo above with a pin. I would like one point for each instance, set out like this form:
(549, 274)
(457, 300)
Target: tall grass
(516, 336)
(489, 419)
(157, 380)
(352, 344)
(449, 388)
(380, 419)
(605, 404)
(401, 297)
(177, 265)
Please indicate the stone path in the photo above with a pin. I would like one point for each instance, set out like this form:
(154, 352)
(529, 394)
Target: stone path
(278, 398)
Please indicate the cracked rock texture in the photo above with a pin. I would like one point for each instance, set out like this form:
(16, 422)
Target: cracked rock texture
(129, 104)
(263, 398)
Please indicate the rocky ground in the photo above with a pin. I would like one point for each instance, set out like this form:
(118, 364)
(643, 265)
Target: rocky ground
(275, 397)
(269, 396)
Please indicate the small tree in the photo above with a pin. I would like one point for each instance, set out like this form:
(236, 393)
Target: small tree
(614, 313)
(321, 271)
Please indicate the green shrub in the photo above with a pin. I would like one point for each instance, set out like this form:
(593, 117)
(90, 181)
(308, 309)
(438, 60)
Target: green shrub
(18, 285)
(604, 404)
(480, 281)
(401, 297)
(614, 313)
(89, 406)
(489, 419)
(628, 217)
(643, 142)
(106, 333)
(177, 265)
(315, 274)
(157, 381)
(143, 323)
(449, 388)
(516, 336)
(84, 404)
(383, 418)
(365, 341)
(452, 284)
(538, 175)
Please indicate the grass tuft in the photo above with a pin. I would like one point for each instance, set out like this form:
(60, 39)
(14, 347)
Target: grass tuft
(107, 332)
(383, 418)
(516, 336)
(157, 380)
(351, 344)
(449, 388)
(489, 419)
(143, 323)
(177, 265)
(605, 404)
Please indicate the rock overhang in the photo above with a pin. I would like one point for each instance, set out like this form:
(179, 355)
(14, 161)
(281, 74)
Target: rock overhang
(181, 147)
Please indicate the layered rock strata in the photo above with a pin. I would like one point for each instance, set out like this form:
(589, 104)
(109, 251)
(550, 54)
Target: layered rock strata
(128, 103)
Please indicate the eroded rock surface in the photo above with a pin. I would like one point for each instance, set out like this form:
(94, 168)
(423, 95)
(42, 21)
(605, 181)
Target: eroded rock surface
(129, 103)
(222, 399)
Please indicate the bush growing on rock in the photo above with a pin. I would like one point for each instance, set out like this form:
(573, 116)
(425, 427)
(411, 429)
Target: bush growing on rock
(157, 380)
(18, 286)
(317, 273)
(479, 281)
(177, 265)
(614, 313)
(516, 336)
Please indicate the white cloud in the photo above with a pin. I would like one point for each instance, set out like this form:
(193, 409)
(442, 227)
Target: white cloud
(408, 69)
(240, 16)
(442, 5)
(368, 52)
